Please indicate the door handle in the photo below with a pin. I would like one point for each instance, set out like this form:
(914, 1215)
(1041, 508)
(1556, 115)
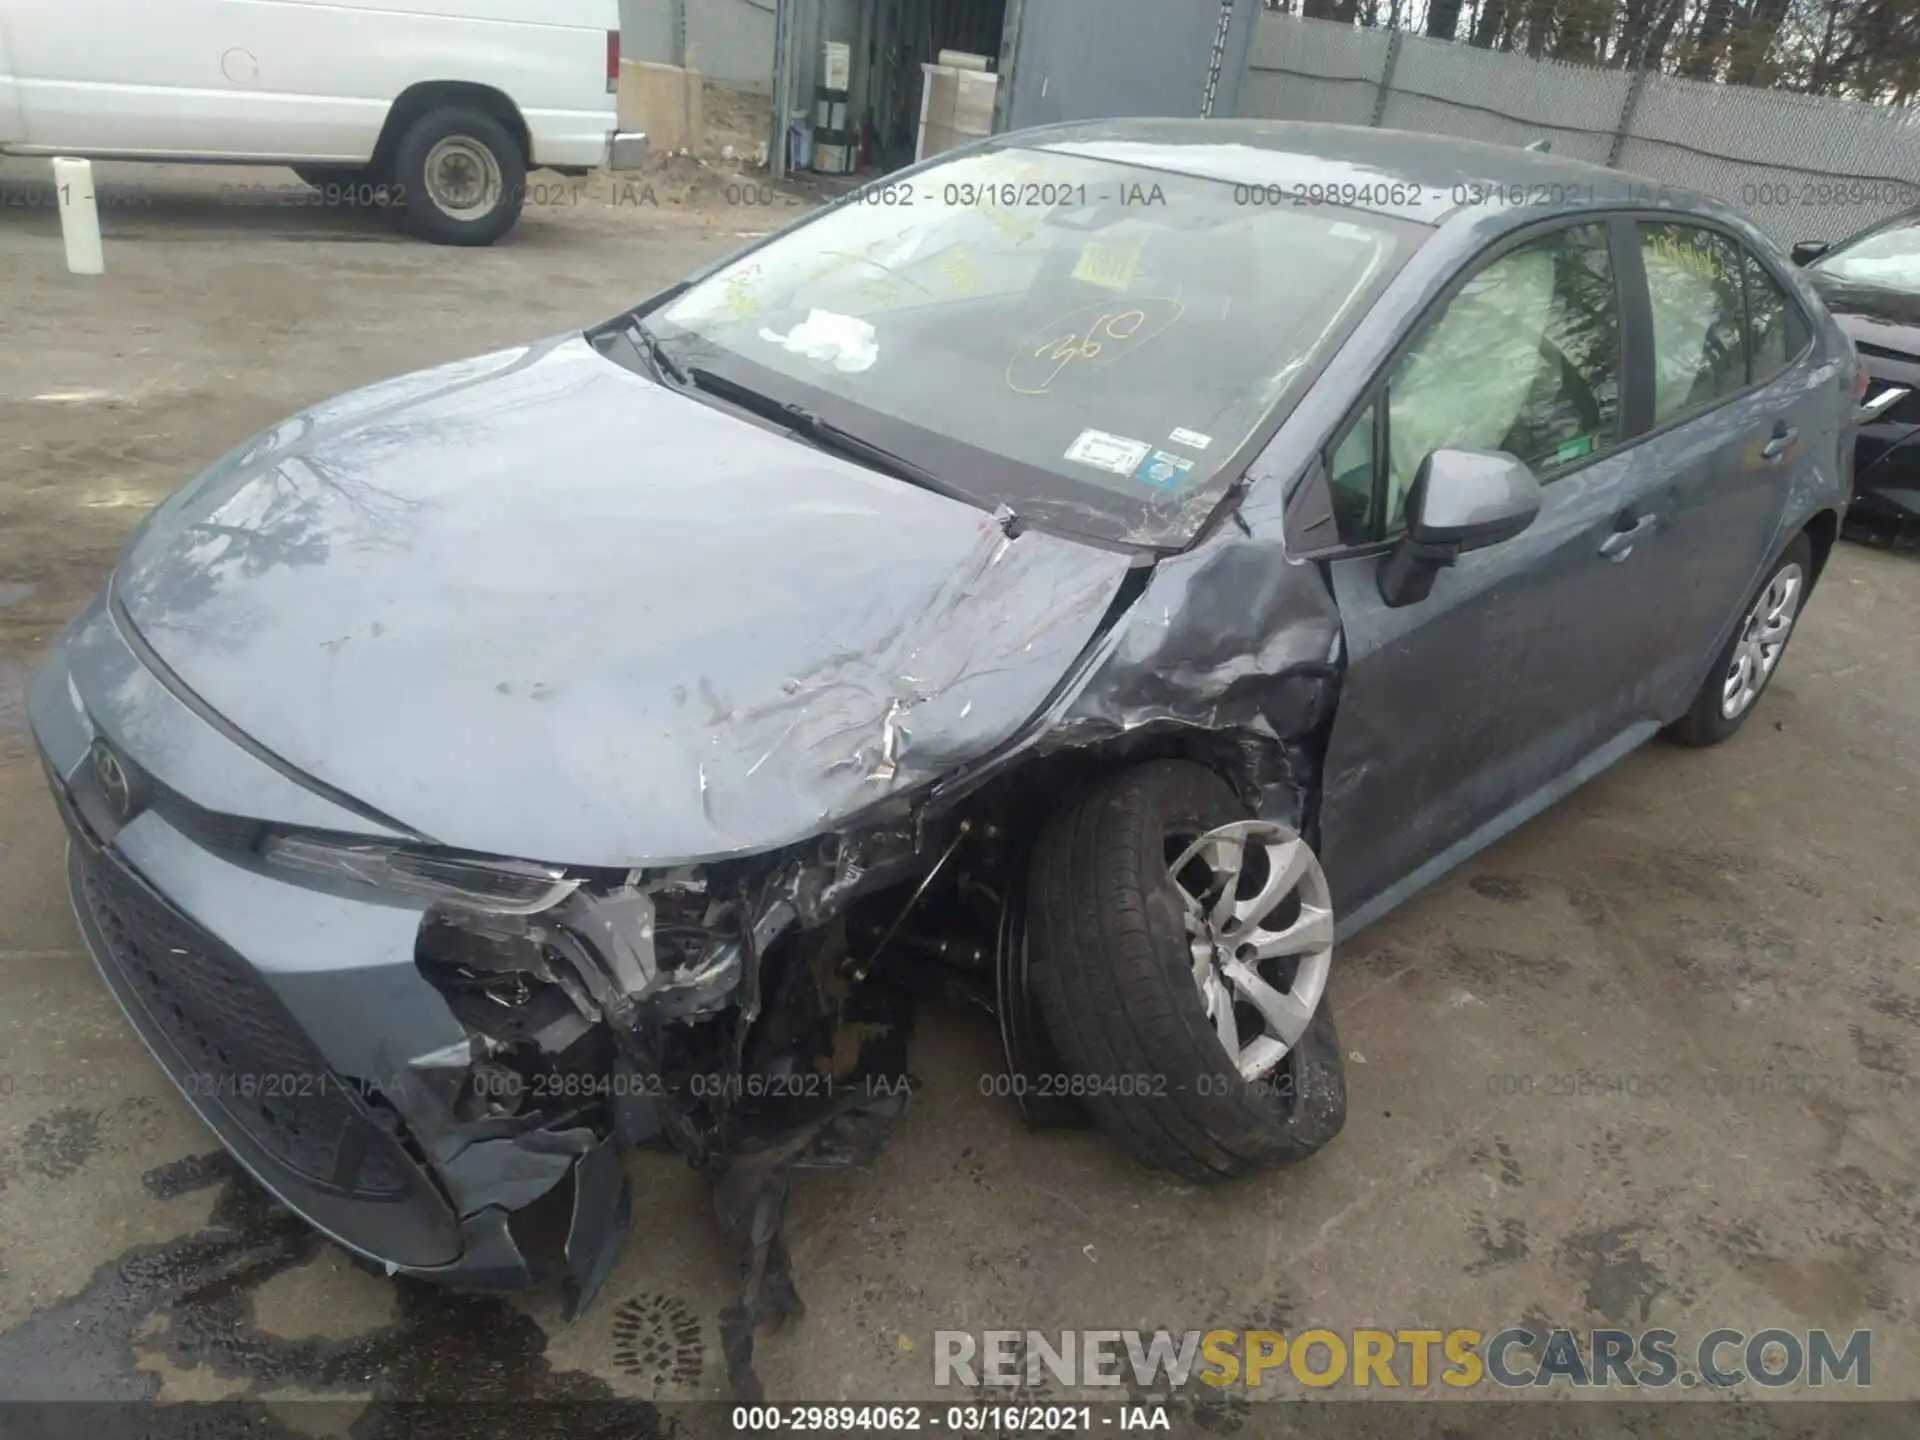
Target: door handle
(1873, 409)
(1783, 437)
(1628, 527)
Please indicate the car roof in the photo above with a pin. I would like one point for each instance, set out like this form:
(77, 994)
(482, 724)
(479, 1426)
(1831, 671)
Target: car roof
(1421, 175)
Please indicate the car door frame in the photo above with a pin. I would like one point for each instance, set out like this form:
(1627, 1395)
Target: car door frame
(1636, 399)
(1672, 682)
(1309, 508)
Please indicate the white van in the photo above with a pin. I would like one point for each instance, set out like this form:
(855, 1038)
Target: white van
(437, 107)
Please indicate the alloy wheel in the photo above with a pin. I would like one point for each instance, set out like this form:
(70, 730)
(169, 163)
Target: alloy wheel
(1259, 921)
(1763, 635)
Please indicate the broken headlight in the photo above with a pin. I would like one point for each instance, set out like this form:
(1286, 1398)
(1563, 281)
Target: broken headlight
(495, 887)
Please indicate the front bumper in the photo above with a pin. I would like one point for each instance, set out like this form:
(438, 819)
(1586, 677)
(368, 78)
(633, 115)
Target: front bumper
(295, 1020)
(627, 150)
(1886, 456)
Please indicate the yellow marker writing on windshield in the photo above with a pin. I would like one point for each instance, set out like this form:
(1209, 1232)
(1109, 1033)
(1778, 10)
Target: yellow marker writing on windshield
(1111, 266)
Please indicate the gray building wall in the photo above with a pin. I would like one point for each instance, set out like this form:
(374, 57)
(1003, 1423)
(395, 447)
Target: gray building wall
(646, 30)
(728, 41)
(731, 41)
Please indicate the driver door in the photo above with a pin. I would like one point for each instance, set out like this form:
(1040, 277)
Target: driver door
(1464, 713)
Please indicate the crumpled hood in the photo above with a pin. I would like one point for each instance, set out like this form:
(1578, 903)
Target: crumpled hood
(536, 605)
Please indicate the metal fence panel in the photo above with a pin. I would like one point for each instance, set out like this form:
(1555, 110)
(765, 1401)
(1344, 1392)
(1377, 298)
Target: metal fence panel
(1445, 88)
(1313, 70)
(1804, 167)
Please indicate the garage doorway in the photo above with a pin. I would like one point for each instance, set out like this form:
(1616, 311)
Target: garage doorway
(1044, 61)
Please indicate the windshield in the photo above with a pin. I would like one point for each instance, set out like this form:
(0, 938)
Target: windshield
(1887, 259)
(1088, 343)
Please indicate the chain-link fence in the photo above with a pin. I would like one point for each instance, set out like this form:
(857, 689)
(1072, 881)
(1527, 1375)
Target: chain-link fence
(1804, 167)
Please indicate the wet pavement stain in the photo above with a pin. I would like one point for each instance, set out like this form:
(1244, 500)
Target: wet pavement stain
(1502, 1242)
(1878, 1053)
(1501, 1158)
(1622, 1282)
(189, 1302)
(57, 1145)
(1509, 889)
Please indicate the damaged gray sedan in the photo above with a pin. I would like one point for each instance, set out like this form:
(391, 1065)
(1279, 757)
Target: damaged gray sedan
(1084, 576)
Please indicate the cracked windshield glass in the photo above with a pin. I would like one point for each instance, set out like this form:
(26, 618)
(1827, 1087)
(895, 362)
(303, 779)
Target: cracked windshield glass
(1087, 342)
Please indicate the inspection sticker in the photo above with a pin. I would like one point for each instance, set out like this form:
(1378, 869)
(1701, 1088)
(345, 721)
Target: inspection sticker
(1163, 471)
(1109, 266)
(1573, 449)
(1108, 452)
(1192, 439)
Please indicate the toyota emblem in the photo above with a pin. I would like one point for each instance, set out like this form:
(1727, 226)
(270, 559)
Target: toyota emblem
(116, 786)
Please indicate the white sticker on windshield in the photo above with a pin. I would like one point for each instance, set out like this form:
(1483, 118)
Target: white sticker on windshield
(1108, 452)
(1192, 439)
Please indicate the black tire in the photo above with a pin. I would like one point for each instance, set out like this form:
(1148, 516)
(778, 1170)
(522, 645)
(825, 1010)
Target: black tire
(1706, 722)
(1110, 964)
(427, 217)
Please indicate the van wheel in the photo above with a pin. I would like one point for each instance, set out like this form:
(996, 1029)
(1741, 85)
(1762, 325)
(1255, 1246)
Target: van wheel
(461, 177)
(1180, 951)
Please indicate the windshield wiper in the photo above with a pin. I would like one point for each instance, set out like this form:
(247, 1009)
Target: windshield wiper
(658, 355)
(829, 436)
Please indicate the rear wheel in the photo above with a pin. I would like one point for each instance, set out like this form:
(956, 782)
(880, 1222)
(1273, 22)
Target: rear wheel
(1732, 688)
(460, 176)
(1180, 952)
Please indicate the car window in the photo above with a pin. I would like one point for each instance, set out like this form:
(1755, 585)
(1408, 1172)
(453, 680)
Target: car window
(1699, 317)
(1888, 258)
(1524, 358)
(1775, 331)
(1352, 471)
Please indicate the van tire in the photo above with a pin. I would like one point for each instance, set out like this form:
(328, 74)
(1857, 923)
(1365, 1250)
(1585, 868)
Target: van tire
(469, 152)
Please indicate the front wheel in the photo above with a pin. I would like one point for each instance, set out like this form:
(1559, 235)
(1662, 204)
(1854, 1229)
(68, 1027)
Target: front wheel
(461, 177)
(1743, 668)
(1181, 952)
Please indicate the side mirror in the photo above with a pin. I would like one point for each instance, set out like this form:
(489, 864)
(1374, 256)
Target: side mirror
(1808, 251)
(1461, 500)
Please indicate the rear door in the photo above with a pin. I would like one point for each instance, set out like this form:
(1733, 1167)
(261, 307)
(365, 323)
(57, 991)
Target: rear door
(1463, 712)
(1738, 403)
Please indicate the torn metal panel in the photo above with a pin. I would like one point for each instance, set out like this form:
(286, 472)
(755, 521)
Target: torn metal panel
(1230, 636)
(1231, 641)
